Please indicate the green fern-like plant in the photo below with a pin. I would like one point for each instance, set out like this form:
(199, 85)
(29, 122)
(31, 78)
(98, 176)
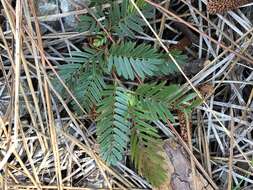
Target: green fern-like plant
(130, 60)
(113, 125)
(120, 19)
(89, 89)
(99, 75)
(87, 75)
(146, 145)
(126, 114)
(146, 153)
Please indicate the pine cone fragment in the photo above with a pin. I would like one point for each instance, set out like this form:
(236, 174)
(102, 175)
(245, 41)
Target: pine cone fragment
(221, 6)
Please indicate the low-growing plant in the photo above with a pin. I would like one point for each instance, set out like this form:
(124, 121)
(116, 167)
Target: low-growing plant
(118, 79)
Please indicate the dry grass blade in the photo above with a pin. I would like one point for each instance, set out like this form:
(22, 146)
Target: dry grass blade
(18, 50)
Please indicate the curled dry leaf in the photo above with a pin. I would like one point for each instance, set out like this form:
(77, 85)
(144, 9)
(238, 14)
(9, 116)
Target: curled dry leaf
(179, 170)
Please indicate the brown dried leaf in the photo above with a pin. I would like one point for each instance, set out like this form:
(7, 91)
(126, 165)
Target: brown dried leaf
(179, 170)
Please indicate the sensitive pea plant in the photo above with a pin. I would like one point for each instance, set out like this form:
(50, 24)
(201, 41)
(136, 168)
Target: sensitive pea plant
(118, 80)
